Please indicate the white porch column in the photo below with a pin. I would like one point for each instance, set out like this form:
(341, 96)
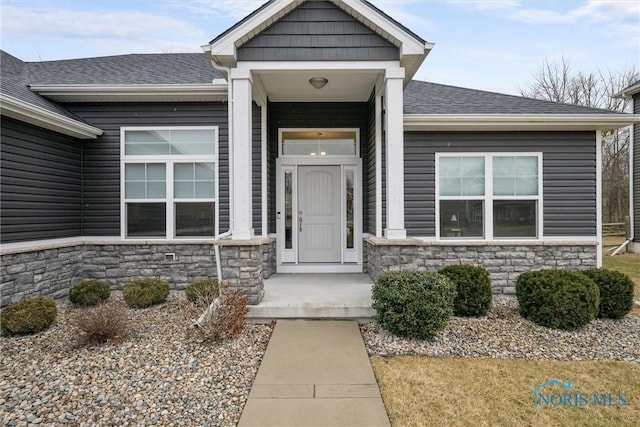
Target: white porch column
(240, 146)
(394, 148)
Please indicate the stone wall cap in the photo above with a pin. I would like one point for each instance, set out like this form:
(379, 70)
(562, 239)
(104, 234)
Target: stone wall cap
(378, 241)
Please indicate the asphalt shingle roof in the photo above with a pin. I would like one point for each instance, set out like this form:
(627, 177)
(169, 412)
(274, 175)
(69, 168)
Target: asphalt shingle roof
(194, 68)
(433, 98)
(166, 68)
(15, 80)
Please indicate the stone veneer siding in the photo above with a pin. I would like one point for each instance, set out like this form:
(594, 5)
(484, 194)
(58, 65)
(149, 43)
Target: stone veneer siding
(505, 262)
(51, 271)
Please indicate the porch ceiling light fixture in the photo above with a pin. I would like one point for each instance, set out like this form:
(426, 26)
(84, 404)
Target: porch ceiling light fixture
(318, 82)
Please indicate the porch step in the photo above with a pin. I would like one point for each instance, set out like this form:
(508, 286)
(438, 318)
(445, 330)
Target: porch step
(315, 296)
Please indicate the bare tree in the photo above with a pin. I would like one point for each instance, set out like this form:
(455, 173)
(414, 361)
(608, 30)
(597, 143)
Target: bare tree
(560, 82)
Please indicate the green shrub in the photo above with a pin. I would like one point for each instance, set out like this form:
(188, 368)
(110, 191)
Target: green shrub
(203, 289)
(557, 298)
(616, 292)
(473, 287)
(413, 304)
(145, 292)
(28, 316)
(89, 292)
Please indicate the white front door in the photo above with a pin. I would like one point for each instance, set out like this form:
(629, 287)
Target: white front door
(319, 216)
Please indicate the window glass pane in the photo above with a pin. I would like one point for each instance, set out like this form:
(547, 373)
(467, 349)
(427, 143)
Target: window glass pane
(188, 142)
(183, 172)
(461, 176)
(350, 214)
(156, 172)
(134, 172)
(134, 190)
(204, 190)
(313, 143)
(473, 176)
(461, 219)
(145, 181)
(451, 166)
(205, 171)
(146, 142)
(146, 220)
(526, 186)
(194, 180)
(515, 176)
(173, 142)
(514, 218)
(450, 186)
(194, 219)
(183, 190)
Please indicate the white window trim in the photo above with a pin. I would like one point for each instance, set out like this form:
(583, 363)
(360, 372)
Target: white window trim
(488, 196)
(169, 200)
(283, 130)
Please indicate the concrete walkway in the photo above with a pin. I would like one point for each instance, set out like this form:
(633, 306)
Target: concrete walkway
(315, 373)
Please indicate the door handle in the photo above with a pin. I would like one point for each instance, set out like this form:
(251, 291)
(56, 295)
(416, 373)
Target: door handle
(300, 221)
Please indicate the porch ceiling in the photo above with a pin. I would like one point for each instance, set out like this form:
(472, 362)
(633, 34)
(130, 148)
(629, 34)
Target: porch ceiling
(343, 85)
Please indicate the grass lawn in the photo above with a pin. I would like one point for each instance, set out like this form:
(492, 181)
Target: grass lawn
(625, 262)
(481, 392)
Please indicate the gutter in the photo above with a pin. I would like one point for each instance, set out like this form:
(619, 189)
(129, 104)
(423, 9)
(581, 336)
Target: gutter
(530, 122)
(214, 91)
(41, 117)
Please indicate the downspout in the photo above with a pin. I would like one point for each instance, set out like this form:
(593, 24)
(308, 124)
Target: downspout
(216, 302)
(216, 248)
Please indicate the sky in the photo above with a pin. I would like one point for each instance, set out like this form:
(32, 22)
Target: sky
(482, 44)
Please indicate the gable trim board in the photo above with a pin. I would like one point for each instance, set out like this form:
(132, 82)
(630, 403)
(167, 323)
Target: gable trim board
(29, 113)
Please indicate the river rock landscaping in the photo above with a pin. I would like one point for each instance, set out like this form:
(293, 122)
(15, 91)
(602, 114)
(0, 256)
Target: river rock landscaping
(160, 374)
(503, 334)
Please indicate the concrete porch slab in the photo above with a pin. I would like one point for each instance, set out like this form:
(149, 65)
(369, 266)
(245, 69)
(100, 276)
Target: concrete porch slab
(315, 296)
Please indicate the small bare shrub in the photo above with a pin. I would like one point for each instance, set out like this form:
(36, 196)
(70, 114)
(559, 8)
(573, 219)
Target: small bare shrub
(227, 321)
(100, 323)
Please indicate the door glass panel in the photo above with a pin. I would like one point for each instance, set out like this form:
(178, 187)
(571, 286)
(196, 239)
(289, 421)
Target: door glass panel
(349, 207)
(288, 210)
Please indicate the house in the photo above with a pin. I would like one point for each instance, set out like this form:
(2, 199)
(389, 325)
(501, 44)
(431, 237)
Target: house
(299, 136)
(633, 92)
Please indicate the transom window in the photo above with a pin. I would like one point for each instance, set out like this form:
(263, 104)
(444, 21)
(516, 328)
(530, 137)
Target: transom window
(322, 142)
(169, 184)
(489, 196)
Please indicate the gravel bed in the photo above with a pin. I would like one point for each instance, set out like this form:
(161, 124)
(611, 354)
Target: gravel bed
(503, 334)
(160, 374)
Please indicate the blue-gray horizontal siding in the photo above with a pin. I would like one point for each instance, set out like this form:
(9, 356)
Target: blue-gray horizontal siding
(636, 171)
(312, 116)
(40, 183)
(317, 30)
(569, 175)
(101, 158)
(256, 169)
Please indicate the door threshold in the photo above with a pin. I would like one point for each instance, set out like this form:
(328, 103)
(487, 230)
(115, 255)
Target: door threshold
(319, 268)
